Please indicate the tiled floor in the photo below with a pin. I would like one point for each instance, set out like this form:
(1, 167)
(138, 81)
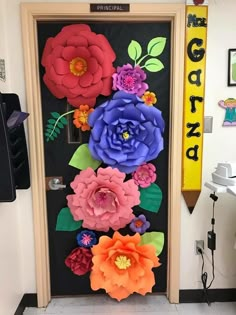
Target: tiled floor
(150, 305)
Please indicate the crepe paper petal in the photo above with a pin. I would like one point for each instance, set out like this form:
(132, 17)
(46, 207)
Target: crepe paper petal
(80, 261)
(78, 58)
(156, 46)
(57, 121)
(86, 238)
(125, 132)
(121, 266)
(82, 159)
(153, 65)
(139, 224)
(156, 239)
(65, 221)
(103, 200)
(151, 198)
(134, 50)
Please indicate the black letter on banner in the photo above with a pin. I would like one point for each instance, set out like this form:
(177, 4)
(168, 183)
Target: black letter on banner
(197, 79)
(191, 153)
(196, 54)
(192, 132)
(193, 99)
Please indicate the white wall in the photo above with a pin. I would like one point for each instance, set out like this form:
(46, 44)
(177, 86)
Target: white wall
(17, 252)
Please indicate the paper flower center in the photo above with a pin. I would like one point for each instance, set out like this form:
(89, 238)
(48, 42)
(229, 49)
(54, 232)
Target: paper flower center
(105, 199)
(138, 223)
(83, 117)
(125, 135)
(129, 82)
(149, 98)
(78, 66)
(86, 239)
(122, 262)
(143, 175)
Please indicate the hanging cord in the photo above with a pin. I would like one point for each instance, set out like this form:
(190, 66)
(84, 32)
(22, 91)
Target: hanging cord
(204, 275)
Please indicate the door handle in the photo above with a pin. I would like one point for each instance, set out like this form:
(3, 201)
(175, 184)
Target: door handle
(55, 184)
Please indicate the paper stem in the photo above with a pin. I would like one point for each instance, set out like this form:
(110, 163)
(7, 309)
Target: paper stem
(141, 59)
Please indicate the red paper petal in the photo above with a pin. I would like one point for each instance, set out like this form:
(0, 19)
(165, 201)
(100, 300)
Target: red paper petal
(75, 29)
(69, 53)
(78, 90)
(86, 80)
(54, 89)
(98, 75)
(77, 41)
(60, 39)
(54, 76)
(103, 43)
(48, 61)
(57, 51)
(97, 53)
(82, 52)
(61, 66)
(77, 101)
(70, 80)
(107, 85)
(92, 65)
(47, 50)
(94, 90)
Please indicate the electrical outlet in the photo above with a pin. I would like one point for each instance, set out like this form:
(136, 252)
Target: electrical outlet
(198, 244)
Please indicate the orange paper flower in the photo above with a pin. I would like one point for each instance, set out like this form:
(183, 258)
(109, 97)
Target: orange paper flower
(149, 98)
(121, 266)
(81, 117)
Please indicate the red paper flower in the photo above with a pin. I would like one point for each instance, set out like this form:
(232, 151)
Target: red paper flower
(78, 65)
(80, 261)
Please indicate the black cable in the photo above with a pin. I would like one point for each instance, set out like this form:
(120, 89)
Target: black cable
(204, 279)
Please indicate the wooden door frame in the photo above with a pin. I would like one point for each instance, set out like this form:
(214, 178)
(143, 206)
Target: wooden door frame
(31, 13)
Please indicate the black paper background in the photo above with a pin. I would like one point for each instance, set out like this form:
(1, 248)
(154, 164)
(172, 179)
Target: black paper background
(59, 152)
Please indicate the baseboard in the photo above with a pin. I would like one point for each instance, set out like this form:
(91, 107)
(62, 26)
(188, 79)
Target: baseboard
(215, 295)
(28, 300)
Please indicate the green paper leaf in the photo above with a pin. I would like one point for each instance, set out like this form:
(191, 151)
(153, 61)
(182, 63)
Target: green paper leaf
(65, 221)
(49, 126)
(156, 46)
(157, 239)
(134, 50)
(63, 120)
(55, 115)
(153, 65)
(51, 121)
(57, 130)
(151, 198)
(60, 125)
(83, 159)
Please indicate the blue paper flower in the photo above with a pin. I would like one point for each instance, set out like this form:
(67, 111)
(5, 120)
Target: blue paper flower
(139, 224)
(126, 132)
(86, 238)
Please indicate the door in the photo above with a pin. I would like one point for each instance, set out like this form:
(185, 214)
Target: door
(126, 45)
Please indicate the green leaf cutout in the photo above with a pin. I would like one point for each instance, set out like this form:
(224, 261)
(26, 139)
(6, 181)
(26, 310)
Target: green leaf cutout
(153, 65)
(82, 159)
(156, 46)
(157, 239)
(151, 198)
(65, 221)
(55, 115)
(55, 124)
(134, 50)
(63, 120)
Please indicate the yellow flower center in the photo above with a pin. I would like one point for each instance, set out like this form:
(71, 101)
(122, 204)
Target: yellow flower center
(125, 135)
(122, 262)
(78, 66)
(83, 118)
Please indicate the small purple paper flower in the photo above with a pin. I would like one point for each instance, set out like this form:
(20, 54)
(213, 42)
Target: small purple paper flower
(144, 175)
(86, 238)
(125, 132)
(139, 224)
(130, 80)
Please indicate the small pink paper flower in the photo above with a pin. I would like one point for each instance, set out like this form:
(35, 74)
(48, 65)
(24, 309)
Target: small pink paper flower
(144, 175)
(103, 200)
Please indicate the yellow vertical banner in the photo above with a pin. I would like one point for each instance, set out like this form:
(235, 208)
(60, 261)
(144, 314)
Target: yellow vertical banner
(194, 83)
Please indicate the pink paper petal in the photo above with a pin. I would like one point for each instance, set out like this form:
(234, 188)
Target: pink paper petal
(77, 41)
(107, 85)
(97, 53)
(77, 101)
(69, 53)
(61, 66)
(54, 89)
(70, 80)
(98, 75)
(92, 65)
(86, 80)
(94, 90)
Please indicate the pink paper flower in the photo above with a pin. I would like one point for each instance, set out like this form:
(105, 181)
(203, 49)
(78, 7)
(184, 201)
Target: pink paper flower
(144, 175)
(78, 65)
(103, 200)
